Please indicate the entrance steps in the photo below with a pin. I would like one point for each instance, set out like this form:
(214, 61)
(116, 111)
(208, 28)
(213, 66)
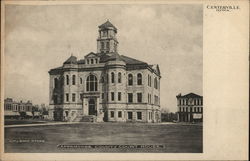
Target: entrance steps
(81, 118)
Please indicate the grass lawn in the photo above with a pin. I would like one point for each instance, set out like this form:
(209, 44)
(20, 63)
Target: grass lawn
(175, 138)
(30, 121)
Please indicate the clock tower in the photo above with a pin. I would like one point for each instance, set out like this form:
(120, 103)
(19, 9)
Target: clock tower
(107, 42)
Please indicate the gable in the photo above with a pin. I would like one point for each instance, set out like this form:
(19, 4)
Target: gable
(91, 55)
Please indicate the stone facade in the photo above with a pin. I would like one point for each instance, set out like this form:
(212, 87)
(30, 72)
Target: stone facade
(190, 108)
(105, 85)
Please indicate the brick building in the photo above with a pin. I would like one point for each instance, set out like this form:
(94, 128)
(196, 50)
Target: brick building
(105, 86)
(12, 109)
(190, 108)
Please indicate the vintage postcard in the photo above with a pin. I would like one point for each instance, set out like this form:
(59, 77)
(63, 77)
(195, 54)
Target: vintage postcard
(141, 80)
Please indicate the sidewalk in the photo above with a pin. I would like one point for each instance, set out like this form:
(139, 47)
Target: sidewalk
(42, 124)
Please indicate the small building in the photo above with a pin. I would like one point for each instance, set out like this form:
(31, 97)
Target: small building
(190, 108)
(11, 109)
(15, 110)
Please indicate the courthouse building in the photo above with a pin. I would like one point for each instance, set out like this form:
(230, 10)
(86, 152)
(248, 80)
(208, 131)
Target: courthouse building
(105, 86)
(190, 108)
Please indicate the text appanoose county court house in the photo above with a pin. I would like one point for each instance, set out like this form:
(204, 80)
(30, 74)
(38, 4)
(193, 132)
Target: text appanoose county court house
(105, 86)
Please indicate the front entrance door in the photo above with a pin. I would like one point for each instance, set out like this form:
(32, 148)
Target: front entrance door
(92, 106)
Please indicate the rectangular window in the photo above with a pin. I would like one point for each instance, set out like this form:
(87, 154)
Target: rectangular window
(81, 96)
(102, 95)
(67, 97)
(119, 96)
(112, 114)
(102, 45)
(73, 97)
(139, 116)
(107, 45)
(130, 97)
(119, 114)
(139, 97)
(148, 97)
(130, 115)
(112, 96)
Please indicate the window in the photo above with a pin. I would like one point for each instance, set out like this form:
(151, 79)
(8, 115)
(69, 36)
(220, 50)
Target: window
(67, 97)
(87, 61)
(92, 61)
(81, 96)
(130, 97)
(186, 109)
(119, 114)
(102, 95)
(112, 96)
(130, 115)
(119, 96)
(80, 80)
(112, 77)
(150, 81)
(155, 83)
(73, 80)
(107, 45)
(55, 83)
(73, 97)
(139, 97)
(96, 61)
(130, 79)
(149, 116)
(107, 78)
(102, 45)
(119, 77)
(91, 84)
(67, 79)
(139, 79)
(150, 98)
(112, 114)
(139, 116)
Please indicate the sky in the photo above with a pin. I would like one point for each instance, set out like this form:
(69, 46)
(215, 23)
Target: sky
(39, 38)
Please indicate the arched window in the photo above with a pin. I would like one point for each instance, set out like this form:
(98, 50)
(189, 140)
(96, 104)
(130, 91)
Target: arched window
(112, 77)
(155, 83)
(80, 80)
(91, 84)
(130, 79)
(55, 83)
(67, 79)
(119, 77)
(73, 80)
(139, 79)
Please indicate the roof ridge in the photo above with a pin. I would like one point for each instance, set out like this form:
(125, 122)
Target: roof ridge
(133, 59)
